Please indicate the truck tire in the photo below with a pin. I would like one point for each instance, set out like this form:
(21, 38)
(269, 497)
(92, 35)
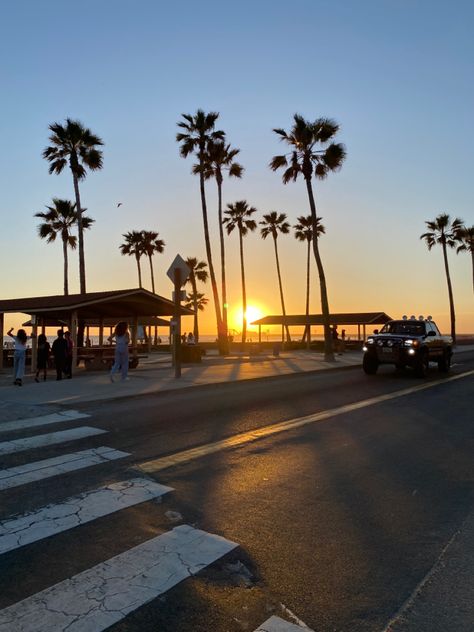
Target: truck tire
(444, 363)
(370, 364)
(422, 365)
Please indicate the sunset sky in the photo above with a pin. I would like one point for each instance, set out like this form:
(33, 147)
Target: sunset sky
(395, 74)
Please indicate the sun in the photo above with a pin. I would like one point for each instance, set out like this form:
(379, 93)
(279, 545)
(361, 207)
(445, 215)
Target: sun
(253, 313)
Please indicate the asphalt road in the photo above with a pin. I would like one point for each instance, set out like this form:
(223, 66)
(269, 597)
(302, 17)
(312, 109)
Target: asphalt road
(337, 520)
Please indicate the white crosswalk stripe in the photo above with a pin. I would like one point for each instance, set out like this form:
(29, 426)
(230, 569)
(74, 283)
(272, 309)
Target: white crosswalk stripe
(47, 468)
(52, 438)
(44, 420)
(276, 624)
(106, 593)
(75, 511)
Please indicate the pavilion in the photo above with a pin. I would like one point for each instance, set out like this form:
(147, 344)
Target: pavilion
(361, 319)
(96, 309)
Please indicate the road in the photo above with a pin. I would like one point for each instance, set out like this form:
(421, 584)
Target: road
(335, 517)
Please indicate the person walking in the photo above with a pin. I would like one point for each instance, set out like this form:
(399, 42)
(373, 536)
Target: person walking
(42, 358)
(59, 350)
(69, 354)
(122, 339)
(19, 356)
(335, 340)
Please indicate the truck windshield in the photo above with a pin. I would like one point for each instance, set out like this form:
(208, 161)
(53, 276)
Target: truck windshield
(404, 327)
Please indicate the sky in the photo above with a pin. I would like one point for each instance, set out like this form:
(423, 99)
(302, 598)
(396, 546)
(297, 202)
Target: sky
(395, 74)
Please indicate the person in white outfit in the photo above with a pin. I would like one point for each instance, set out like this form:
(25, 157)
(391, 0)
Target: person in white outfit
(122, 339)
(19, 356)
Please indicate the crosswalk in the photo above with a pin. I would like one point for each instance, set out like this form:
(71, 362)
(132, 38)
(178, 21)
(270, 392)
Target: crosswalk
(105, 593)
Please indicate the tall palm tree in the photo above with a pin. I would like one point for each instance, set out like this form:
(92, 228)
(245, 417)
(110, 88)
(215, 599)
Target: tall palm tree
(466, 238)
(151, 244)
(274, 223)
(219, 159)
(238, 216)
(304, 232)
(444, 231)
(197, 272)
(312, 153)
(198, 131)
(59, 220)
(197, 302)
(133, 246)
(74, 145)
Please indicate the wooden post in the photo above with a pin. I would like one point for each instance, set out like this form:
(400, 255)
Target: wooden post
(177, 322)
(34, 342)
(2, 322)
(309, 336)
(74, 338)
(363, 331)
(101, 331)
(358, 331)
(260, 334)
(134, 336)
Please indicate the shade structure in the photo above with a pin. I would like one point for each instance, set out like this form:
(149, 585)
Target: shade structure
(92, 308)
(347, 318)
(94, 305)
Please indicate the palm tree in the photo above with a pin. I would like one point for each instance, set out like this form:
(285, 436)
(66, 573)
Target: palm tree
(274, 223)
(196, 301)
(312, 155)
(59, 220)
(74, 145)
(466, 237)
(238, 215)
(198, 132)
(219, 158)
(443, 231)
(151, 244)
(133, 246)
(304, 232)
(197, 273)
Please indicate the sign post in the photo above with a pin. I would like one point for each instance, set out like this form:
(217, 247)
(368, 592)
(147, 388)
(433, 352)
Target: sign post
(178, 273)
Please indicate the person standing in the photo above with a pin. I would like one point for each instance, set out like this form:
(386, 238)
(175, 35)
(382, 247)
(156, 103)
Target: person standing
(19, 356)
(59, 350)
(335, 339)
(69, 354)
(42, 358)
(122, 339)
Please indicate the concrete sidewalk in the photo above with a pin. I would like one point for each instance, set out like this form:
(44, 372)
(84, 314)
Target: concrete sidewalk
(155, 375)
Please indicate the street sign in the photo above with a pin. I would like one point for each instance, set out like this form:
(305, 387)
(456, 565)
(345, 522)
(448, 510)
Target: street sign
(179, 264)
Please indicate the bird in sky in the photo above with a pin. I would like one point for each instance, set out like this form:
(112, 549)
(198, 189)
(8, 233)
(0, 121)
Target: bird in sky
(119, 204)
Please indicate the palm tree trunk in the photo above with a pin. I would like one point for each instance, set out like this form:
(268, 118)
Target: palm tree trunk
(222, 243)
(308, 266)
(152, 275)
(217, 306)
(80, 234)
(139, 272)
(472, 260)
(328, 350)
(450, 294)
(288, 338)
(66, 285)
(244, 292)
(192, 278)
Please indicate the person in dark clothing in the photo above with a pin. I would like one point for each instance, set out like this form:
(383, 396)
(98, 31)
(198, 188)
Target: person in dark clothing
(42, 358)
(70, 347)
(59, 350)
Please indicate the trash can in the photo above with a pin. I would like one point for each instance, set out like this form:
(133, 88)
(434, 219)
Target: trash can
(276, 349)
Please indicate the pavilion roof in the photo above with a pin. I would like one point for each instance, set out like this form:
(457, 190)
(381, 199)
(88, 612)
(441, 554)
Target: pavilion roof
(348, 318)
(94, 305)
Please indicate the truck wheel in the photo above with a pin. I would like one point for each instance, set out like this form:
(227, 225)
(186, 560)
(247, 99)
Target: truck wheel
(444, 364)
(421, 368)
(370, 365)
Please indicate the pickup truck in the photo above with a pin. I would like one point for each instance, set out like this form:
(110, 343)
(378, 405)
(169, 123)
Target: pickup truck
(408, 342)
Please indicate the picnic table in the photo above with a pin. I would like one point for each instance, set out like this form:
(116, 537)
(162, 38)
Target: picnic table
(102, 358)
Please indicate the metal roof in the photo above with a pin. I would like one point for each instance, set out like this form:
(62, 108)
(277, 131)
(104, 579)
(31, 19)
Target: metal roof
(349, 318)
(112, 304)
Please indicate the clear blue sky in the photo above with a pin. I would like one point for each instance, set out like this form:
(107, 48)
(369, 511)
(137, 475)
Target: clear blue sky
(396, 75)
